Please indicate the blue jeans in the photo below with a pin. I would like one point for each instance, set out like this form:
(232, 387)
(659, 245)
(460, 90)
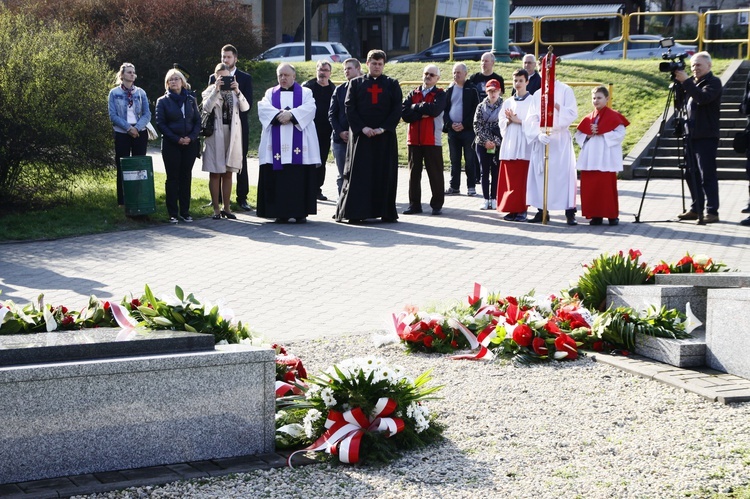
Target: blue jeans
(462, 143)
(339, 155)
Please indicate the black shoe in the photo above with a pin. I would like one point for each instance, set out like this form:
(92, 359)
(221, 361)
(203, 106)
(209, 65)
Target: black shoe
(537, 218)
(322, 197)
(412, 211)
(437, 212)
(571, 221)
(746, 209)
(217, 216)
(300, 220)
(746, 222)
(596, 221)
(282, 220)
(229, 215)
(520, 217)
(390, 220)
(245, 206)
(186, 218)
(614, 221)
(173, 220)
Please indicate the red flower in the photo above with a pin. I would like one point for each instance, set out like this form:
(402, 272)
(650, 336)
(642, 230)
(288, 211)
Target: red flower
(279, 349)
(634, 254)
(598, 346)
(135, 303)
(685, 259)
(662, 268)
(439, 332)
(454, 344)
(552, 328)
(522, 335)
(106, 305)
(539, 346)
(67, 320)
(564, 343)
(427, 340)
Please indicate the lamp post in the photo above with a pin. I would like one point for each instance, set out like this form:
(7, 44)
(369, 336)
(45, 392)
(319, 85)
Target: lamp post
(501, 30)
(308, 30)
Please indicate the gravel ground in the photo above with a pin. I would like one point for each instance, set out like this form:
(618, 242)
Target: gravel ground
(578, 429)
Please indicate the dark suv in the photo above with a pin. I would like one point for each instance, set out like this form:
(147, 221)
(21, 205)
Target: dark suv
(440, 52)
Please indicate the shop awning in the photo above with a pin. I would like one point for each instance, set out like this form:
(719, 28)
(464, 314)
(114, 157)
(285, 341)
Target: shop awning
(580, 11)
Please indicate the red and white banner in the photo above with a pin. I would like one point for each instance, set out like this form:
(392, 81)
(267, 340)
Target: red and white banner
(548, 91)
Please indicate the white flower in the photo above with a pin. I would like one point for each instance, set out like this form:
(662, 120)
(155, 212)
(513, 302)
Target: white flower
(543, 304)
(312, 391)
(223, 342)
(327, 395)
(701, 259)
(383, 374)
(467, 319)
(310, 418)
(280, 414)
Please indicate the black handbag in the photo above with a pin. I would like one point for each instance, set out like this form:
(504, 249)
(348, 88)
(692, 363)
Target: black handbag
(207, 123)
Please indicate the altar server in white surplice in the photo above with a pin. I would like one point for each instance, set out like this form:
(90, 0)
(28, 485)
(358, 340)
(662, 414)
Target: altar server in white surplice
(288, 152)
(561, 194)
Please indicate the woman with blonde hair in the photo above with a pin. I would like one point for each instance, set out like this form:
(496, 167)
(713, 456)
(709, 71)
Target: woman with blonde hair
(130, 113)
(179, 120)
(223, 152)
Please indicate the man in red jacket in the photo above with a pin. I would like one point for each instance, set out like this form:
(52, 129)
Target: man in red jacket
(423, 111)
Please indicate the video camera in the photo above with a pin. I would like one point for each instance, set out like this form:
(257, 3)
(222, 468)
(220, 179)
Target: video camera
(673, 62)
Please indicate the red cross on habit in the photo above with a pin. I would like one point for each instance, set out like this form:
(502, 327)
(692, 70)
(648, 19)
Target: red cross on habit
(374, 91)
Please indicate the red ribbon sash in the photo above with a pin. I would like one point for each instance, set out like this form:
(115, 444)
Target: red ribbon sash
(548, 91)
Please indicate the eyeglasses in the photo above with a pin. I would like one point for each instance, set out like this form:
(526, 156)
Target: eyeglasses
(431, 75)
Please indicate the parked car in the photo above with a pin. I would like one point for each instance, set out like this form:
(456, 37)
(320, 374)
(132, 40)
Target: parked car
(295, 52)
(440, 52)
(638, 50)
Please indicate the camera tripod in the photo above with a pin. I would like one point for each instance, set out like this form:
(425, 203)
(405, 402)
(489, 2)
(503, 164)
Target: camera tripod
(678, 120)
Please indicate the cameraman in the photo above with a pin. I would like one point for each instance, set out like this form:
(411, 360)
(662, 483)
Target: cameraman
(703, 94)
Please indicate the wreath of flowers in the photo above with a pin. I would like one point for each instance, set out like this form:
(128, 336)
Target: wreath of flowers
(178, 312)
(532, 329)
(359, 410)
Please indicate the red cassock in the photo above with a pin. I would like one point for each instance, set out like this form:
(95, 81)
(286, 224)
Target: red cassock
(511, 186)
(599, 196)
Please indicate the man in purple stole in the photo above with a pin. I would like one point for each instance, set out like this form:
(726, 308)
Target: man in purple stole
(373, 109)
(288, 152)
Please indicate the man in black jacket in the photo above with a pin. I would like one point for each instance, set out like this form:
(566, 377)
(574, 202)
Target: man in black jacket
(462, 100)
(702, 96)
(322, 90)
(337, 118)
(245, 81)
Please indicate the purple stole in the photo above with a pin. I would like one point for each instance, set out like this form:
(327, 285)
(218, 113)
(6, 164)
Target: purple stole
(276, 129)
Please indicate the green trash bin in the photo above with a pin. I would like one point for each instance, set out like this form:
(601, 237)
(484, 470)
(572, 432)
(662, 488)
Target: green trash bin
(138, 185)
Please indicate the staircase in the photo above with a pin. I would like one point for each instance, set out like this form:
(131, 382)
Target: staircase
(730, 165)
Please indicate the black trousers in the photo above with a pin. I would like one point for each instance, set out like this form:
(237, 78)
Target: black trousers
(702, 179)
(125, 147)
(178, 163)
(432, 159)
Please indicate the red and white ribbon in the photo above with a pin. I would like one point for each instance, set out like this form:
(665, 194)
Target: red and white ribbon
(483, 340)
(344, 431)
(283, 388)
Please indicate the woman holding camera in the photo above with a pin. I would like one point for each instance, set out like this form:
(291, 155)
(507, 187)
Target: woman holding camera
(179, 120)
(223, 152)
(130, 113)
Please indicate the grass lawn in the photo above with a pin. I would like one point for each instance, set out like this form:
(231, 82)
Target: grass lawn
(640, 93)
(91, 208)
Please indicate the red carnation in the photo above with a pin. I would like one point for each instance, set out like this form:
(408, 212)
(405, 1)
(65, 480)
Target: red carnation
(539, 346)
(427, 340)
(522, 335)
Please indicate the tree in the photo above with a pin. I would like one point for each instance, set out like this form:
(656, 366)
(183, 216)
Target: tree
(55, 124)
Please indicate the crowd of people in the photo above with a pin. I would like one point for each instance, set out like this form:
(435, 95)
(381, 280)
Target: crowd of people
(520, 152)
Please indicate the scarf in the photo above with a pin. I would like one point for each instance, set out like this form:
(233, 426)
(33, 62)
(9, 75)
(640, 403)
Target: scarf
(180, 98)
(129, 92)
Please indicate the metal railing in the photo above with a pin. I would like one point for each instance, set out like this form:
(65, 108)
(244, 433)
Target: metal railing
(625, 20)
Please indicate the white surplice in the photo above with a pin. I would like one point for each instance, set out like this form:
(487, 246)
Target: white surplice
(561, 194)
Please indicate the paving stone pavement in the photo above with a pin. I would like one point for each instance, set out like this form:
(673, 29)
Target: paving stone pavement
(292, 282)
(321, 278)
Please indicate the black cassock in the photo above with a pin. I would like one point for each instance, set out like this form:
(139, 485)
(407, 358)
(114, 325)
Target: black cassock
(371, 169)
